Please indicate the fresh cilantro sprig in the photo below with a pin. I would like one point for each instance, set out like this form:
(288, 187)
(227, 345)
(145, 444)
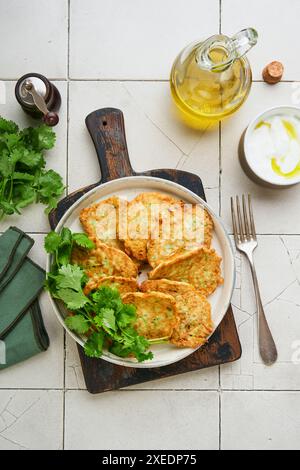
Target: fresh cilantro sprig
(23, 177)
(60, 245)
(101, 315)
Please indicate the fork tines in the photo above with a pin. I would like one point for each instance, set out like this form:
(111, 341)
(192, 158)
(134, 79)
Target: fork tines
(243, 222)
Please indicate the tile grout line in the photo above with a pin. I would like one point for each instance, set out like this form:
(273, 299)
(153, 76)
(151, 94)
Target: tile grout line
(220, 129)
(147, 80)
(67, 137)
(220, 168)
(67, 192)
(124, 390)
(64, 391)
(68, 45)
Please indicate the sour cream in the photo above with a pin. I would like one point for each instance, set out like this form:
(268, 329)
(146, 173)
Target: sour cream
(273, 148)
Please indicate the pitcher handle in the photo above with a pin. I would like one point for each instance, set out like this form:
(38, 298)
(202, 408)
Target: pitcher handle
(243, 41)
(235, 47)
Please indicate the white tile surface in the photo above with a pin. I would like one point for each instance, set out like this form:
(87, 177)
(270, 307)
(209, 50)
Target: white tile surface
(45, 370)
(136, 39)
(131, 410)
(74, 375)
(31, 419)
(35, 38)
(260, 420)
(33, 218)
(279, 205)
(280, 291)
(277, 24)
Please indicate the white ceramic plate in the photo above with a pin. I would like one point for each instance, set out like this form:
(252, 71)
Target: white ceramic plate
(128, 188)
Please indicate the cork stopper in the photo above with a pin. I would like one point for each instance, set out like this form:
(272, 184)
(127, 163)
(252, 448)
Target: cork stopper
(273, 72)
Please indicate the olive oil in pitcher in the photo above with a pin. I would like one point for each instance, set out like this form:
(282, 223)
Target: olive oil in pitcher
(211, 79)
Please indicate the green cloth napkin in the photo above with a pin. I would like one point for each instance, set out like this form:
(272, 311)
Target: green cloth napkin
(22, 331)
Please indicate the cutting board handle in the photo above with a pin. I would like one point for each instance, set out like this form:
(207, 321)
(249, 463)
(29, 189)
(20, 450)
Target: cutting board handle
(106, 127)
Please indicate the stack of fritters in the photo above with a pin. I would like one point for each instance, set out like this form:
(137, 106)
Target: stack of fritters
(188, 227)
(175, 240)
(143, 216)
(193, 310)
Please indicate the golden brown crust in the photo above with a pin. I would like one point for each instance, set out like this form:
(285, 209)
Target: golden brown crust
(123, 284)
(166, 286)
(104, 261)
(195, 323)
(100, 221)
(191, 226)
(201, 268)
(156, 313)
(139, 221)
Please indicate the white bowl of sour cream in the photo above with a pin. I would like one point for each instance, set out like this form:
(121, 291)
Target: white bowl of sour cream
(271, 146)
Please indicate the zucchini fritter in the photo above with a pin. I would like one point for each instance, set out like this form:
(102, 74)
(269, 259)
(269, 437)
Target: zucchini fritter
(200, 267)
(141, 219)
(191, 227)
(156, 313)
(195, 323)
(101, 221)
(104, 261)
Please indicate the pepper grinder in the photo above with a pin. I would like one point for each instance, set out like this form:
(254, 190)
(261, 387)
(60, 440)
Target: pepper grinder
(38, 97)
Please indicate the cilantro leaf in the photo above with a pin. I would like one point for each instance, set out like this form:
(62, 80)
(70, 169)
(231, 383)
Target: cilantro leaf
(61, 244)
(120, 350)
(6, 166)
(77, 323)
(66, 236)
(109, 321)
(106, 297)
(7, 208)
(65, 248)
(93, 347)
(23, 195)
(52, 242)
(17, 175)
(8, 126)
(50, 184)
(69, 277)
(127, 315)
(73, 300)
(31, 159)
(143, 356)
(83, 240)
(45, 137)
(11, 140)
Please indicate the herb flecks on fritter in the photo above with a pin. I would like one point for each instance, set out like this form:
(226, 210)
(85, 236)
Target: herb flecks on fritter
(190, 227)
(143, 212)
(201, 268)
(156, 314)
(194, 312)
(104, 261)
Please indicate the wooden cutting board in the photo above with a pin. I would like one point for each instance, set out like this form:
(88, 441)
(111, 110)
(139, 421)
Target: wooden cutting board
(106, 127)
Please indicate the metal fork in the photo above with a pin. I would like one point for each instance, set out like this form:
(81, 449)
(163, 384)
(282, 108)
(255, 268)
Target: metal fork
(246, 242)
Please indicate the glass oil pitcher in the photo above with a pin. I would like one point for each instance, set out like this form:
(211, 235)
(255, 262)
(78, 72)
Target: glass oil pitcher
(211, 79)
